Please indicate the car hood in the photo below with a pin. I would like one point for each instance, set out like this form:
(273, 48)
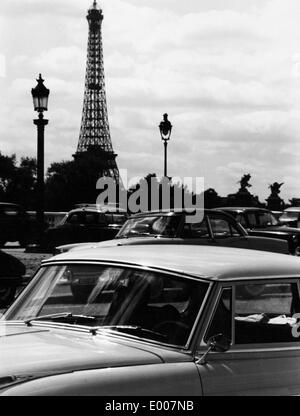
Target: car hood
(37, 351)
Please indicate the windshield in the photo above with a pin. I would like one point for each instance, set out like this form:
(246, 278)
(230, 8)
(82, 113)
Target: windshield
(155, 306)
(162, 225)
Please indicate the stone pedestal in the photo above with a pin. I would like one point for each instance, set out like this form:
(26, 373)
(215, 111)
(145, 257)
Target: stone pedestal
(243, 198)
(274, 203)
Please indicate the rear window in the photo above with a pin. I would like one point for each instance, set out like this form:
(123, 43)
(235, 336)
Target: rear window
(118, 219)
(164, 225)
(266, 219)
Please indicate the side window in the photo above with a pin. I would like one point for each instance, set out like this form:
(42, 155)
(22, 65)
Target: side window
(118, 219)
(102, 219)
(242, 220)
(73, 219)
(264, 312)
(196, 230)
(221, 322)
(108, 218)
(220, 227)
(91, 218)
(252, 219)
(264, 219)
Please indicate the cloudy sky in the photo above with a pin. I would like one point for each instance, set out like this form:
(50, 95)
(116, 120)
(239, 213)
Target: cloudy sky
(226, 71)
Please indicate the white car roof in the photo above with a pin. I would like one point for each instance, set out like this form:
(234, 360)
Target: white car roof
(214, 263)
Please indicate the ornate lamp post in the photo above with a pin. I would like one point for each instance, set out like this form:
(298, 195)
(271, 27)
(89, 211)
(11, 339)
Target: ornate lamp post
(40, 96)
(165, 128)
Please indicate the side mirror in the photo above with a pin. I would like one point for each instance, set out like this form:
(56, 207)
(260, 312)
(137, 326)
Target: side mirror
(218, 343)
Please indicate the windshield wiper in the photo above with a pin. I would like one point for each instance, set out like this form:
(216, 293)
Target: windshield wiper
(67, 317)
(130, 328)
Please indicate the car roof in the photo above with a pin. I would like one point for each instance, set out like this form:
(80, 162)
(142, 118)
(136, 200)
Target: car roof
(176, 212)
(214, 263)
(97, 209)
(243, 209)
(292, 209)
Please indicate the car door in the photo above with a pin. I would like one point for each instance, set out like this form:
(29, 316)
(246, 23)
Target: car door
(71, 231)
(13, 222)
(264, 357)
(226, 232)
(93, 226)
(198, 233)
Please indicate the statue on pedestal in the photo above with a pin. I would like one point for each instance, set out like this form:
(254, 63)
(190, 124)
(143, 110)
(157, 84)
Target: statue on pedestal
(244, 182)
(274, 202)
(243, 197)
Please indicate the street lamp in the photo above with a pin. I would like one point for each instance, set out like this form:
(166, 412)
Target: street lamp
(165, 128)
(40, 96)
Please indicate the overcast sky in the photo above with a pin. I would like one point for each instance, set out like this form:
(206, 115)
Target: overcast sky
(226, 71)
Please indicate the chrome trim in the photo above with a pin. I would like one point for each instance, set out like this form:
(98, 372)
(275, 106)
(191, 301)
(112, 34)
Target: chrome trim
(197, 320)
(258, 349)
(205, 279)
(210, 318)
(220, 279)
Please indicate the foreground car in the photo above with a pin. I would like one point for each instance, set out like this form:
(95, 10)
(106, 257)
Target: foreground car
(168, 320)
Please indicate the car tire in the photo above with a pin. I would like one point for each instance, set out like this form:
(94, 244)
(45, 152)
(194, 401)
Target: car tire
(7, 295)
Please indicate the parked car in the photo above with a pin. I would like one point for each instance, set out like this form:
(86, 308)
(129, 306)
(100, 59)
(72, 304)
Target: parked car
(16, 225)
(169, 227)
(11, 272)
(158, 321)
(84, 224)
(261, 222)
(291, 217)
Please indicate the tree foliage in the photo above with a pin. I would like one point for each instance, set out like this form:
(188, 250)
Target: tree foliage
(18, 180)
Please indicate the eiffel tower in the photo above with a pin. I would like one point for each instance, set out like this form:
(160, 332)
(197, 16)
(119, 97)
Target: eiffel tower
(94, 138)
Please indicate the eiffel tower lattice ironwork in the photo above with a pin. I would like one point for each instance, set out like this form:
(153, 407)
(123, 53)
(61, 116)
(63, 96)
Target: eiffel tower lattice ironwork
(94, 138)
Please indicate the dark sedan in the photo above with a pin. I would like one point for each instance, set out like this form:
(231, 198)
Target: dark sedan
(16, 225)
(11, 272)
(85, 224)
(261, 222)
(168, 227)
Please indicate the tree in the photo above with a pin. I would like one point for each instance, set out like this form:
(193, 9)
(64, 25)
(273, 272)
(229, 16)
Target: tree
(22, 189)
(158, 187)
(72, 182)
(7, 173)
